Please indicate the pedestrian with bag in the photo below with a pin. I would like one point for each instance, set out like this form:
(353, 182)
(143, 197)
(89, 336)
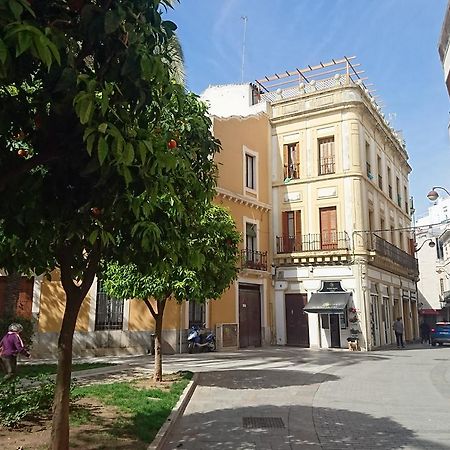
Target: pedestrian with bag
(12, 345)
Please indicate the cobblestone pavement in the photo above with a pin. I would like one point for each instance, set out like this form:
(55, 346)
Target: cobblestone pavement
(305, 399)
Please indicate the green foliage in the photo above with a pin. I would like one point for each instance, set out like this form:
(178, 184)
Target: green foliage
(93, 106)
(145, 415)
(203, 268)
(24, 399)
(28, 328)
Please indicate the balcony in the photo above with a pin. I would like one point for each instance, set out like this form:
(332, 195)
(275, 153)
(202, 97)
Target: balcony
(313, 242)
(387, 253)
(252, 259)
(292, 171)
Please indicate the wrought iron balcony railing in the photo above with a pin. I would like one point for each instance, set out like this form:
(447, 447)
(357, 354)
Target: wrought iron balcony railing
(329, 241)
(252, 259)
(398, 256)
(292, 171)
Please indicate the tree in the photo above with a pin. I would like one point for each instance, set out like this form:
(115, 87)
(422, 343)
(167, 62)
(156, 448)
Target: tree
(202, 270)
(88, 108)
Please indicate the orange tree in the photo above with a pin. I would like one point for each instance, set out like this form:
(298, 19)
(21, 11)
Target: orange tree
(197, 262)
(92, 132)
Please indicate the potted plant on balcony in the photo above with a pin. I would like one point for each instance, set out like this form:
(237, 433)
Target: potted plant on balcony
(353, 319)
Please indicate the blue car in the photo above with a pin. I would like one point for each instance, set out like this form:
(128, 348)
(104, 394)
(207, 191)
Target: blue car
(440, 333)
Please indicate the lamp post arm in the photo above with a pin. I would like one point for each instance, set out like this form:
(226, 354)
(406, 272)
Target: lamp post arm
(442, 188)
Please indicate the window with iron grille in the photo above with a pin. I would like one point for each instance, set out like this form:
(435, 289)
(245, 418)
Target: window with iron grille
(326, 156)
(108, 311)
(196, 314)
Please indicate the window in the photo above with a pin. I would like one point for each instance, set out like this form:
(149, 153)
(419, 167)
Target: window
(196, 314)
(368, 165)
(389, 176)
(250, 171)
(441, 285)
(380, 173)
(326, 156)
(108, 311)
(291, 161)
(405, 195)
(250, 236)
(343, 320)
(397, 188)
(328, 228)
(292, 232)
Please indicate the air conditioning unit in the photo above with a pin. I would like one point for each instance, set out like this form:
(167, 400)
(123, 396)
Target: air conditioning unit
(227, 335)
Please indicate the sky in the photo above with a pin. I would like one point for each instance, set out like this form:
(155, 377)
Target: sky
(395, 41)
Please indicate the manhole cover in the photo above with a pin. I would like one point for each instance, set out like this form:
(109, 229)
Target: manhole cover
(263, 422)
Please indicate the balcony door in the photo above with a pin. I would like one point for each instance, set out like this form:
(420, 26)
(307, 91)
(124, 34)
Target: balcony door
(328, 228)
(292, 232)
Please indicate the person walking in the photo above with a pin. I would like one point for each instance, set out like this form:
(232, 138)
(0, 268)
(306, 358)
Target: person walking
(10, 346)
(425, 332)
(398, 329)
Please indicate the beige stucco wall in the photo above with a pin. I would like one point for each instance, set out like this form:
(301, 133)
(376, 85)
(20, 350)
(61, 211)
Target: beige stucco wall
(52, 304)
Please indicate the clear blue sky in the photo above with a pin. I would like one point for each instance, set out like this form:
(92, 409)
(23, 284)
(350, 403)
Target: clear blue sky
(394, 40)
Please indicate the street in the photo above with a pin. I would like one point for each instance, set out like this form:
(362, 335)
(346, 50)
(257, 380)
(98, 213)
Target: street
(293, 398)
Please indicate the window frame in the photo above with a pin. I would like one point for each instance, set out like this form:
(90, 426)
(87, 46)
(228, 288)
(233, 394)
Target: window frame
(291, 160)
(105, 302)
(327, 168)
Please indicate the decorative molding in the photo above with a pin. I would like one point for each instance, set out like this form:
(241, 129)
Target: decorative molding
(242, 200)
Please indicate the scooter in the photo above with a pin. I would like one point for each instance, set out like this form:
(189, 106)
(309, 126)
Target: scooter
(199, 340)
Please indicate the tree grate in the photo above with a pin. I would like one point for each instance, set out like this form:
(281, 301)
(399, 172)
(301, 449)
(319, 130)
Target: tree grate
(263, 422)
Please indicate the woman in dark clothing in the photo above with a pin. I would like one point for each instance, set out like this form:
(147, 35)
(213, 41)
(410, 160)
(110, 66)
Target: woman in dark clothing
(10, 346)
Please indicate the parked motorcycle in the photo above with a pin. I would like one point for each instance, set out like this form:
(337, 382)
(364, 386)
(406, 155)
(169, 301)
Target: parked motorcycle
(201, 340)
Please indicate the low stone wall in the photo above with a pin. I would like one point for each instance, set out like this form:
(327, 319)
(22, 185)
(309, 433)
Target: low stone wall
(108, 343)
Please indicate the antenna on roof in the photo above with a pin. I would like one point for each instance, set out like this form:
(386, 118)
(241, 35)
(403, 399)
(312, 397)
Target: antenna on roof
(244, 18)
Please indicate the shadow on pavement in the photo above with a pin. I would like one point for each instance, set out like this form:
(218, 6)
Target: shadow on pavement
(261, 379)
(277, 357)
(334, 429)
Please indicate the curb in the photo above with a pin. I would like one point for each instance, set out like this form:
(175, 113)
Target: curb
(177, 412)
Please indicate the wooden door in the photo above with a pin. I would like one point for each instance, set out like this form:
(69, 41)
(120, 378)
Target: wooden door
(297, 330)
(335, 331)
(249, 316)
(328, 228)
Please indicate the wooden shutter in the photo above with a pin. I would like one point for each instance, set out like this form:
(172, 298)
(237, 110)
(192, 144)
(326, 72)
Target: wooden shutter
(328, 228)
(285, 230)
(326, 156)
(298, 231)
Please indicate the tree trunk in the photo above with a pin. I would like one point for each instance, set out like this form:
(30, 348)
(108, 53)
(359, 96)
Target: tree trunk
(158, 316)
(157, 376)
(60, 424)
(75, 294)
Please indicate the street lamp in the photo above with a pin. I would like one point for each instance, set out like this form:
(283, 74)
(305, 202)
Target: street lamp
(433, 195)
(430, 241)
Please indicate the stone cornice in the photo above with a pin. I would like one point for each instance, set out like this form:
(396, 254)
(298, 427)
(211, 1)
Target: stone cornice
(238, 198)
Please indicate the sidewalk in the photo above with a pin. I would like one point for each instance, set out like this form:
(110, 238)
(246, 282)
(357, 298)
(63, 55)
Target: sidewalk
(331, 400)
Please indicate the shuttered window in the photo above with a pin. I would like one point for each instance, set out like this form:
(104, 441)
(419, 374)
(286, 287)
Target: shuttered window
(326, 156)
(328, 228)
